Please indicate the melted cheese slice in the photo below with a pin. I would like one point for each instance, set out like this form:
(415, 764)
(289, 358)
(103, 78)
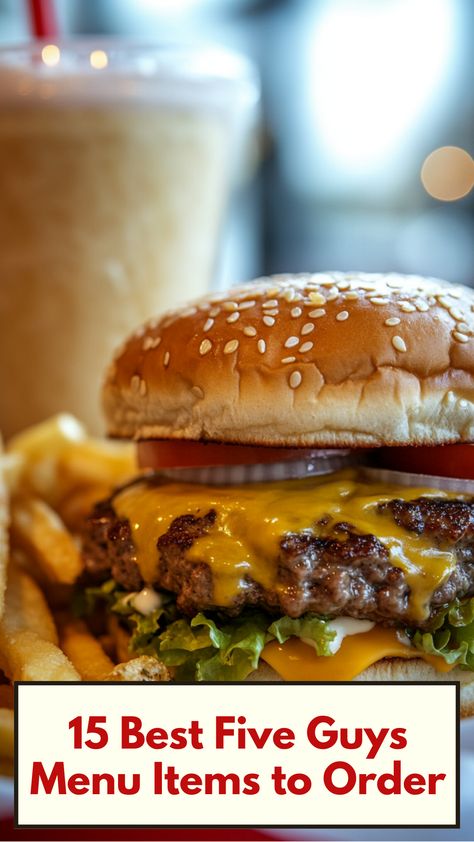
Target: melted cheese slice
(296, 661)
(251, 520)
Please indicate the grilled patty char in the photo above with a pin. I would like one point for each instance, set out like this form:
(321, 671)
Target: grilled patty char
(343, 573)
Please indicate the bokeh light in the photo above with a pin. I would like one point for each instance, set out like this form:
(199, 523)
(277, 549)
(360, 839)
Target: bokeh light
(51, 55)
(98, 59)
(448, 173)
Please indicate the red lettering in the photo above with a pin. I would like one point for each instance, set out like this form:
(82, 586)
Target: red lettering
(78, 784)
(398, 738)
(157, 738)
(331, 736)
(414, 784)
(376, 741)
(56, 778)
(132, 736)
(191, 784)
(433, 780)
(331, 770)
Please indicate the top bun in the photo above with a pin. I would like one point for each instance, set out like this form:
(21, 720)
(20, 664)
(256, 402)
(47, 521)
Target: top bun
(330, 360)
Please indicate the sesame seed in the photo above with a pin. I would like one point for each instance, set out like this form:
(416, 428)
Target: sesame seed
(460, 337)
(398, 344)
(343, 285)
(268, 321)
(271, 303)
(230, 305)
(250, 331)
(214, 312)
(231, 346)
(295, 379)
(189, 311)
(272, 312)
(233, 317)
(443, 302)
(262, 346)
(463, 403)
(378, 300)
(208, 324)
(463, 327)
(291, 342)
(317, 298)
(352, 295)
(422, 306)
(407, 307)
(307, 328)
(332, 295)
(166, 358)
(317, 314)
(456, 314)
(272, 291)
(205, 347)
(286, 360)
(392, 322)
(151, 342)
(368, 287)
(135, 383)
(197, 392)
(247, 305)
(296, 312)
(143, 388)
(289, 295)
(342, 316)
(327, 283)
(306, 346)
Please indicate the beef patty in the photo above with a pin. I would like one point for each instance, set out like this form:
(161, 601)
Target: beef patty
(343, 573)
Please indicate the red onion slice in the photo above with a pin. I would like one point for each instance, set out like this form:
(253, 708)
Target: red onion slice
(409, 480)
(323, 462)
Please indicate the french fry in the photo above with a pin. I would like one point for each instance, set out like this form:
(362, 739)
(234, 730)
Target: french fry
(38, 529)
(40, 448)
(26, 607)
(85, 651)
(28, 635)
(7, 733)
(32, 659)
(96, 462)
(4, 523)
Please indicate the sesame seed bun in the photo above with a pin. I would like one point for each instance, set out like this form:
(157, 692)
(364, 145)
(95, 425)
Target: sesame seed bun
(326, 360)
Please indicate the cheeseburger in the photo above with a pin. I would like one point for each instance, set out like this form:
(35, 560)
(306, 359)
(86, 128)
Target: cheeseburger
(305, 508)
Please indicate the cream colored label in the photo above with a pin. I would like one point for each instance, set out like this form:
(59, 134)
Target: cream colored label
(285, 751)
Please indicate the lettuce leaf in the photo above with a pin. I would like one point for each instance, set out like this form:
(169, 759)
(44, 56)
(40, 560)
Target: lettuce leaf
(308, 627)
(205, 651)
(451, 635)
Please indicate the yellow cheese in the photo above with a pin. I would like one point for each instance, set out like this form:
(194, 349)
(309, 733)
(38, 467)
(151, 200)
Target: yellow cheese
(251, 520)
(296, 661)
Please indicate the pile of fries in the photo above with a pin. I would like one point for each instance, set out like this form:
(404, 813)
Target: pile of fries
(50, 477)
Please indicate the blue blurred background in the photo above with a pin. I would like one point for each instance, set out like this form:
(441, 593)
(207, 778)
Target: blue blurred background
(356, 95)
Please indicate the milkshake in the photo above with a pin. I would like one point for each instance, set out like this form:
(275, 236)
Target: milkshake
(113, 183)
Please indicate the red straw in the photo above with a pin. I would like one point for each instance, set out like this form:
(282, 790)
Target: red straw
(43, 18)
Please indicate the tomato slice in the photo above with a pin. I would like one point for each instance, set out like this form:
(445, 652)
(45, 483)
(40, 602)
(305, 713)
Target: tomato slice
(448, 460)
(190, 454)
